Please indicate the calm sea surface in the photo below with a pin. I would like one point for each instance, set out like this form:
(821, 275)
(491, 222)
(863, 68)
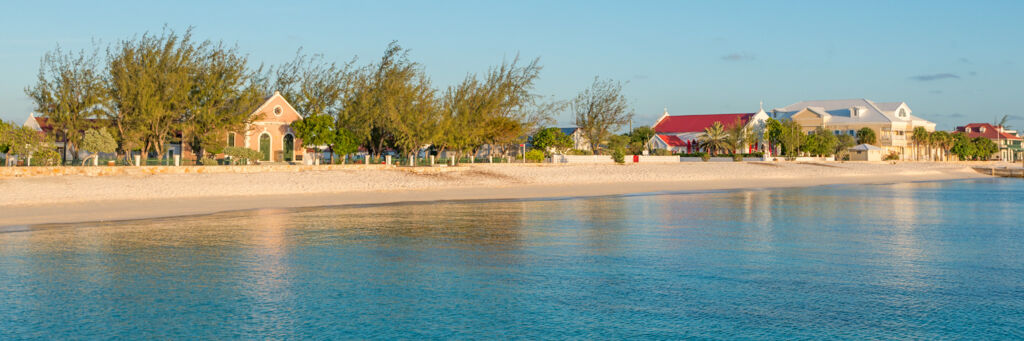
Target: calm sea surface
(921, 261)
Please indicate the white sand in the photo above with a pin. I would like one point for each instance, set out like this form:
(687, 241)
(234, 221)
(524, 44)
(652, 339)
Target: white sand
(60, 199)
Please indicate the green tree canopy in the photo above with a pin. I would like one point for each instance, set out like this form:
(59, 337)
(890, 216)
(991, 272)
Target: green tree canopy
(552, 139)
(867, 135)
(963, 147)
(70, 92)
(601, 109)
(715, 139)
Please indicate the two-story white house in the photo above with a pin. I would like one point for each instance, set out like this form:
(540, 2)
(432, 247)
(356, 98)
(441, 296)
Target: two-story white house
(892, 122)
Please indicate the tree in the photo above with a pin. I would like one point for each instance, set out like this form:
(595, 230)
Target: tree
(737, 135)
(962, 146)
(844, 142)
(984, 148)
(641, 135)
(315, 87)
(70, 92)
(774, 132)
(867, 135)
(552, 139)
(151, 80)
(26, 142)
(791, 137)
(714, 139)
(6, 138)
(98, 141)
(921, 138)
(223, 95)
(599, 110)
(820, 142)
(943, 141)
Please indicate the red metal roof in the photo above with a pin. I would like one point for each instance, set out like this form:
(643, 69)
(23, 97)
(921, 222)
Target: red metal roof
(697, 123)
(974, 130)
(672, 140)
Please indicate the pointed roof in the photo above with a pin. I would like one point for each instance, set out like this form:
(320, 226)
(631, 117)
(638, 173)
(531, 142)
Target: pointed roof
(865, 146)
(271, 99)
(696, 123)
(671, 140)
(990, 132)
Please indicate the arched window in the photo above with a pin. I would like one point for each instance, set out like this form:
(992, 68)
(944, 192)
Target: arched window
(289, 147)
(265, 146)
(231, 139)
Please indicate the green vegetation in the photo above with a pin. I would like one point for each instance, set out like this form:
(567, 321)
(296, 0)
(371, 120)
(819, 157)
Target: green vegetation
(599, 110)
(98, 141)
(552, 139)
(820, 143)
(867, 135)
(535, 155)
(639, 139)
(715, 139)
(619, 156)
(155, 89)
(241, 155)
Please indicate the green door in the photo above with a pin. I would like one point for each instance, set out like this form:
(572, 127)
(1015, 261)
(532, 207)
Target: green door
(265, 146)
(289, 148)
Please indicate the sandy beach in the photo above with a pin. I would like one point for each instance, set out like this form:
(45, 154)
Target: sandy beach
(78, 198)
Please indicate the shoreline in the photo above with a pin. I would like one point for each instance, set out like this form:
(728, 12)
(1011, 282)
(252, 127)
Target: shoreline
(59, 200)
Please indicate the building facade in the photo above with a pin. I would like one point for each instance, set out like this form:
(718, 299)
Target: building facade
(893, 122)
(270, 132)
(1009, 142)
(681, 133)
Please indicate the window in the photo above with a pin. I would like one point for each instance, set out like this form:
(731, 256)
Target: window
(903, 112)
(231, 139)
(836, 132)
(852, 132)
(981, 129)
(278, 111)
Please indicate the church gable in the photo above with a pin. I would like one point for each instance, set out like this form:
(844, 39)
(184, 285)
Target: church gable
(276, 110)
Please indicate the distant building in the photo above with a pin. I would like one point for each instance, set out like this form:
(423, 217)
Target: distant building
(270, 133)
(579, 141)
(1009, 142)
(681, 133)
(43, 126)
(865, 152)
(892, 122)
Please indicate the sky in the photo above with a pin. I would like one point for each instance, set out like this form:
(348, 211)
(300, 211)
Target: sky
(953, 62)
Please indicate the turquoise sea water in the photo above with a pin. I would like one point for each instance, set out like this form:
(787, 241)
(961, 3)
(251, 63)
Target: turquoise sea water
(932, 260)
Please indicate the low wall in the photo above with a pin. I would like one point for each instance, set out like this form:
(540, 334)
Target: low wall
(713, 159)
(8, 172)
(582, 159)
(802, 159)
(654, 159)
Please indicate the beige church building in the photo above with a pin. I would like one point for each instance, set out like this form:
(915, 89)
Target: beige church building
(270, 132)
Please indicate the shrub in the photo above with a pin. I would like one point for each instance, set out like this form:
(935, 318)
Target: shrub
(662, 152)
(242, 155)
(892, 156)
(580, 152)
(619, 155)
(705, 157)
(206, 161)
(535, 155)
(737, 157)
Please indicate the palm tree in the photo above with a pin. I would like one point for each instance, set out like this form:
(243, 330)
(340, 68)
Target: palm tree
(866, 135)
(1000, 126)
(921, 137)
(736, 136)
(714, 138)
(941, 140)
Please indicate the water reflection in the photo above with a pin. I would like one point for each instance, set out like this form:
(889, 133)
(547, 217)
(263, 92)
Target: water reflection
(856, 261)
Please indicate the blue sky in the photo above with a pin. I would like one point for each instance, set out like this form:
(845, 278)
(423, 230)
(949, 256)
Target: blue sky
(952, 62)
